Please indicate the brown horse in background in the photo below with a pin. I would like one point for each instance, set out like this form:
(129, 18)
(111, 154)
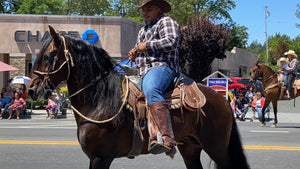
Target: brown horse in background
(95, 90)
(272, 89)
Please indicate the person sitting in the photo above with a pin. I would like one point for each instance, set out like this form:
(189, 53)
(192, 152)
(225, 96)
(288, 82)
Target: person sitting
(9, 93)
(2, 104)
(52, 104)
(18, 106)
(3, 90)
(23, 92)
(241, 107)
(258, 103)
(236, 92)
(291, 70)
(232, 104)
(250, 94)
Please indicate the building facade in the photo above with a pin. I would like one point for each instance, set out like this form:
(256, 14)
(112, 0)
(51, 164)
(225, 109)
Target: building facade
(237, 63)
(23, 35)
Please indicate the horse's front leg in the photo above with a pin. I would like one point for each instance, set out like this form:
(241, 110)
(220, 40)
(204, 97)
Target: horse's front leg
(98, 163)
(275, 114)
(263, 120)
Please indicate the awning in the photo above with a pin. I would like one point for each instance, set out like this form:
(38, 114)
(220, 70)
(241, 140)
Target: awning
(5, 67)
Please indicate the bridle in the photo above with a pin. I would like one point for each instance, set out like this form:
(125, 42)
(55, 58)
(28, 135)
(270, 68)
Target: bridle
(68, 60)
(256, 71)
(70, 63)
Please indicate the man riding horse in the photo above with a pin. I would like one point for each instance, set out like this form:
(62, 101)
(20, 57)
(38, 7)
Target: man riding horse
(291, 71)
(156, 57)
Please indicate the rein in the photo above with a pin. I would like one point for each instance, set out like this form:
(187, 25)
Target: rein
(113, 117)
(68, 59)
(270, 86)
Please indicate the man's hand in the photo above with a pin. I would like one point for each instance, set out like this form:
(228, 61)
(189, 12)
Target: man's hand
(141, 48)
(132, 54)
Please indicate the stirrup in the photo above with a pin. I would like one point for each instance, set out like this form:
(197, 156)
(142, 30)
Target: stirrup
(156, 148)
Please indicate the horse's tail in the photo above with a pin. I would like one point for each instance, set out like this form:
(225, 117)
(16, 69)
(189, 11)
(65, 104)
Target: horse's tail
(236, 154)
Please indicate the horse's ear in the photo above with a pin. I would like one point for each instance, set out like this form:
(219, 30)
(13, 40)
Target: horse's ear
(53, 34)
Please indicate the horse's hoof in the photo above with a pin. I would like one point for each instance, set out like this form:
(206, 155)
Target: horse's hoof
(274, 126)
(263, 124)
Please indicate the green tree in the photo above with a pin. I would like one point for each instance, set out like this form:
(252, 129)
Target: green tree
(87, 7)
(9, 6)
(256, 48)
(238, 37)
(295, 45)
(48, 7)
(215, 9)
(125, 8)
(2, 7)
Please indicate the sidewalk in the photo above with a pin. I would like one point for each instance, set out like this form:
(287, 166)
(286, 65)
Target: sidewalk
(282, 117)
(41, 114)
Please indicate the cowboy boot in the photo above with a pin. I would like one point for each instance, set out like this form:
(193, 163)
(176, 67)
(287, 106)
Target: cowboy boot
(161, 115)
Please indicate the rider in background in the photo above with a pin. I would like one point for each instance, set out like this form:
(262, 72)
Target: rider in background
(291, 70)
(156, 57)
(283, 65)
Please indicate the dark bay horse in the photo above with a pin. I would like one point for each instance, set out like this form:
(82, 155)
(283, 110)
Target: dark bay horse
(95, 90)
(272, 90)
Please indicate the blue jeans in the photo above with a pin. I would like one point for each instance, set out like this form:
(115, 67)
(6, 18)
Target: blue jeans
(259, 110)
(244, 111)
(285, 76)
(156, 81)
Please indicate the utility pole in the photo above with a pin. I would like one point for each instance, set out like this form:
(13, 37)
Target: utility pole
(267, 14)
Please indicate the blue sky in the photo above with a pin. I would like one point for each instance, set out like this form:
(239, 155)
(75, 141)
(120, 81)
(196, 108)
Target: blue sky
(282, 19)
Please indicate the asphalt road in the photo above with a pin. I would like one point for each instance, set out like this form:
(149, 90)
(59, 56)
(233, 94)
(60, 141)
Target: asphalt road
(48, 144)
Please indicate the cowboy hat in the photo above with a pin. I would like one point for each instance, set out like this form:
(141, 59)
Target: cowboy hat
(283, 59)
(291, 52)
(164, 5)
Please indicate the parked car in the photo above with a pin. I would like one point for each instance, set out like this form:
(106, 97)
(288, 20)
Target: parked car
(241, 83)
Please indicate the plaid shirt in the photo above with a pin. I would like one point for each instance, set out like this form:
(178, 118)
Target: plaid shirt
(162, 43)
(292, 66)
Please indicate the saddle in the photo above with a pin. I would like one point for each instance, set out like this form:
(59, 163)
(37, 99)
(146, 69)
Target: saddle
(296, 85)
(183, 92)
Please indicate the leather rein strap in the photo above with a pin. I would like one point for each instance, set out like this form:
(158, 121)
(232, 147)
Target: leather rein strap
(68, 59)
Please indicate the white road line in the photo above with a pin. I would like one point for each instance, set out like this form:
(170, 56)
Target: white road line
(268, 131)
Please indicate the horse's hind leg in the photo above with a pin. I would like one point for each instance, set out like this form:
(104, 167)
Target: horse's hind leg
(97, 163)
(190, 152)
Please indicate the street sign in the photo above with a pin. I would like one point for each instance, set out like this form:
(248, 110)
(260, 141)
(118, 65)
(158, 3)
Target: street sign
(220, 85)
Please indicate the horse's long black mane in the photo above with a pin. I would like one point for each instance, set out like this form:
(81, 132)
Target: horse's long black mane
(91, 63)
